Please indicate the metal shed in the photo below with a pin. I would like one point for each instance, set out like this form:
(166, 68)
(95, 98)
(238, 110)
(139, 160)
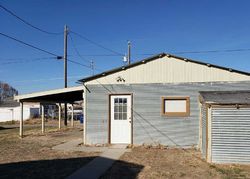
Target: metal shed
(225, 126)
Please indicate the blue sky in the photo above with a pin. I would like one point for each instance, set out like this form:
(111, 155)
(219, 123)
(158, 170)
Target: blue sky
(152, 27)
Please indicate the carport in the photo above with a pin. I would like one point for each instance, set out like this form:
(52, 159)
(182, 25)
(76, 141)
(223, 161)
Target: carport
(58, 96)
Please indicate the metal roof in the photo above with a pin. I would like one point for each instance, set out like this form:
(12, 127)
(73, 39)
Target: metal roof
(155, 57)
(70, 95)
(225, 97)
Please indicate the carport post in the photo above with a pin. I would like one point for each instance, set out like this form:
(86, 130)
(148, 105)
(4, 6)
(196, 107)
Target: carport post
(59, 115)
(43, 122)
(72, 116)
(21, 120)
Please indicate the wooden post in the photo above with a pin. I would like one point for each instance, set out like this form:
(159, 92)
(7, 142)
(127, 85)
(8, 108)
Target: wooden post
(21, 120)
(59, 115)
(43, 122)
(72, 116)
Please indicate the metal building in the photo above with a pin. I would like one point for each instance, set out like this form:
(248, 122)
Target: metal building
(153, 101)
(225, 126)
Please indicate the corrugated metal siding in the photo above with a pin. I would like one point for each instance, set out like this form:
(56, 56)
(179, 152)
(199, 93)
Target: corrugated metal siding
(171, 70)
(231, 135)
(204, 129)
(149, 126)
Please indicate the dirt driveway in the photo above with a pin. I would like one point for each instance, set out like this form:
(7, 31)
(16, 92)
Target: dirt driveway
(32, 156)
(171, 163)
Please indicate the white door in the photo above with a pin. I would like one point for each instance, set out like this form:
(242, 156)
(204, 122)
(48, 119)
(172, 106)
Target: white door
(120, 128)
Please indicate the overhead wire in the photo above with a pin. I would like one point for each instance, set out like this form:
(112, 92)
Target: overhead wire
(97, 44)
(27, 23)
(203, 51)
(42, 50)
(79, 55)
(75, 62)
(29, 45)
(213, 51)
(76, 50)
(20, 59)
(177, 52)
(25, 60)
(44, 79)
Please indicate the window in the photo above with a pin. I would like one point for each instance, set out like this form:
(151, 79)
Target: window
(176, 106)
(120, 109)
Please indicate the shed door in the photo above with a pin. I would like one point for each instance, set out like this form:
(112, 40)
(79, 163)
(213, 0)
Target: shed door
(120, 128)
(231, 135)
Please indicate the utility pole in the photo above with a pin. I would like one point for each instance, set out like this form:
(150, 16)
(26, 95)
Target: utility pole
(65, 69)
(92, 66)
(129, 53)
(65, 55)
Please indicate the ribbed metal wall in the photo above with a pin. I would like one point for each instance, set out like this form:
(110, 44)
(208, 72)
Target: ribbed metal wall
(231, 135)
(204, 129)
(149, 126)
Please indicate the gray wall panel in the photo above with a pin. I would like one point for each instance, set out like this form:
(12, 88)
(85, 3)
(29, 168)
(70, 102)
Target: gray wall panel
(149, 125)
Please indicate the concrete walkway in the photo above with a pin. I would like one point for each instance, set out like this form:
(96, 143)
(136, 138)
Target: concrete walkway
(98, 166)
(75, 145)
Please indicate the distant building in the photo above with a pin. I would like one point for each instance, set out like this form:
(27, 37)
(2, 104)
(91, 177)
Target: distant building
(10, 111)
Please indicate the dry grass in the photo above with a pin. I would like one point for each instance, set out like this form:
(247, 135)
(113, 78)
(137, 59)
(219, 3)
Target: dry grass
(32, 121)
(171, 163)
(32, 156)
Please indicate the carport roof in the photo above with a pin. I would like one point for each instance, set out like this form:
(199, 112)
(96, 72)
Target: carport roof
(225, 97)
(62, 95)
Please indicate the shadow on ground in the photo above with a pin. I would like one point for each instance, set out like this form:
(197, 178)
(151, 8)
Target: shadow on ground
(57, 168)
(4, 128)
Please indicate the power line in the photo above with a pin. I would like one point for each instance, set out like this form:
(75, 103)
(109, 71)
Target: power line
(12, 61)
(76, 50)
(177, 52)
(29, 24)
(101, 55)
(79, 55)
(75, 62)
(44, 79)
(97, 44)
(45, 51)
(214, 51)
(20, 59)
(29, 45)
(202, 51)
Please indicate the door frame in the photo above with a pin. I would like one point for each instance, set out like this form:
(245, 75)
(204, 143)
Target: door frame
(109, 114)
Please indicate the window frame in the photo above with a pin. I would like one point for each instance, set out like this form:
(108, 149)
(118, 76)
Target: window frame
(176, 114)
